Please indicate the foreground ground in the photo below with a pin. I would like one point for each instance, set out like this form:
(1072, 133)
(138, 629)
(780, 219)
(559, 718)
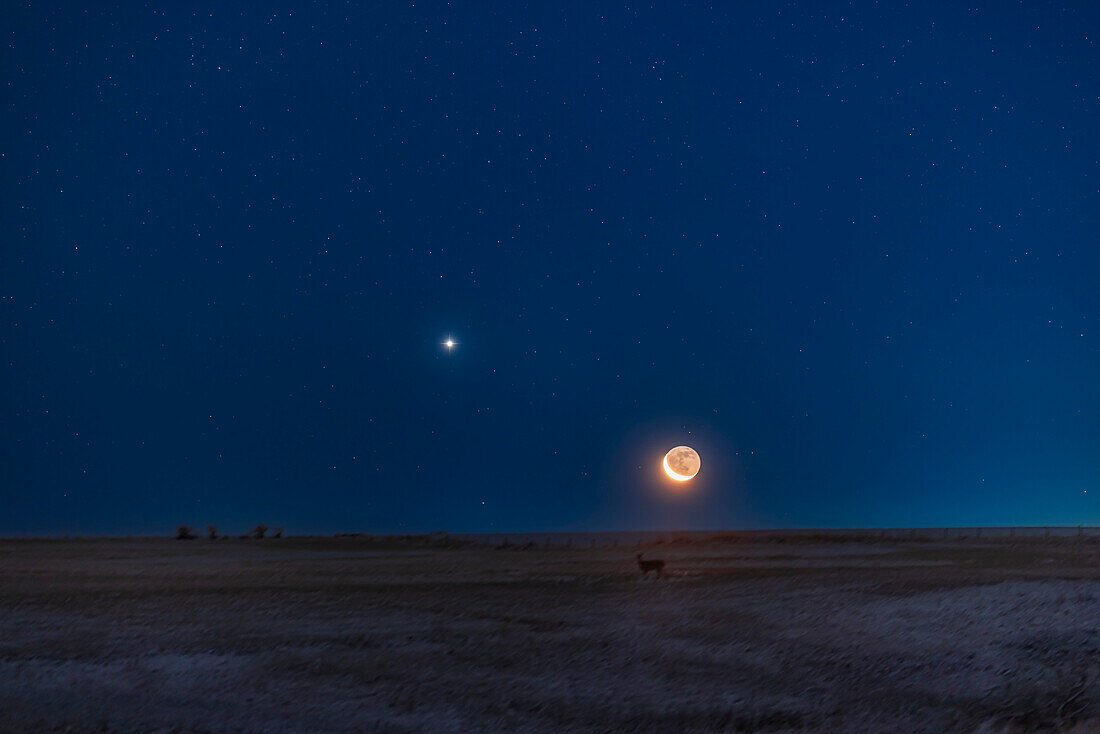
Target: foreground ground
(341, 635)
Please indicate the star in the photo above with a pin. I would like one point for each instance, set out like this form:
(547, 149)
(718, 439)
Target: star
(449, 344)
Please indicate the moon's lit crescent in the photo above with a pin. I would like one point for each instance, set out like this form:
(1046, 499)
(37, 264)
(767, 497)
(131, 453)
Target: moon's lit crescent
(674, 475)
(686, 459)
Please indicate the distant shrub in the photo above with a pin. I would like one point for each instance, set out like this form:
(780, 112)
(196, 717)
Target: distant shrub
(212, 532)
(277, 532)
(184, 532)
(259, 531)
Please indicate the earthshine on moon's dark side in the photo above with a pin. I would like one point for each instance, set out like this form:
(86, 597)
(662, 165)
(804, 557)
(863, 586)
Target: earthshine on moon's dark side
(682, 463)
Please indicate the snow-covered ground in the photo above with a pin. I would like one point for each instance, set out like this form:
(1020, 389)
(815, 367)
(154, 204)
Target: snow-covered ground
(300, 635)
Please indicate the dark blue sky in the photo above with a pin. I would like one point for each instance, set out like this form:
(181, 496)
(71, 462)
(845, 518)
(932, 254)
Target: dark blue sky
(851, 255)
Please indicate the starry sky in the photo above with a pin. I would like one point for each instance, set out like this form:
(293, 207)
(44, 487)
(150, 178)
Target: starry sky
(849, 253)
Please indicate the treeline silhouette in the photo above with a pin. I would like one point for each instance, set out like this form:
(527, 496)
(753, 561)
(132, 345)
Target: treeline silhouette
(186, 532)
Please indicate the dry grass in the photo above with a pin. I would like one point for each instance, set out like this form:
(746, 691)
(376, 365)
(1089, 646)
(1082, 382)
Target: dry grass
(355, 634)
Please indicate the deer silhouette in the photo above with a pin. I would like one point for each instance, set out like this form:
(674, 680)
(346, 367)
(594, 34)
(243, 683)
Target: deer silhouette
(647, 566)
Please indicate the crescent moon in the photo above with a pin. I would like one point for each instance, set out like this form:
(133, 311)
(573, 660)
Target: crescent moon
(674, 475)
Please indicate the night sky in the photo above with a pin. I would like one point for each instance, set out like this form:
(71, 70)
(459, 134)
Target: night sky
(850, 255)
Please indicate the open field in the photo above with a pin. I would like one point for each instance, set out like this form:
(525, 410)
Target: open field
(316, 634)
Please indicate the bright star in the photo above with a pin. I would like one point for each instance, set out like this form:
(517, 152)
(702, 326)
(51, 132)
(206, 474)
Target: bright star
(450, 344)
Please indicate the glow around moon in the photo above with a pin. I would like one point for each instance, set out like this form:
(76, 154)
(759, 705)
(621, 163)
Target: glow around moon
(682, 463)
